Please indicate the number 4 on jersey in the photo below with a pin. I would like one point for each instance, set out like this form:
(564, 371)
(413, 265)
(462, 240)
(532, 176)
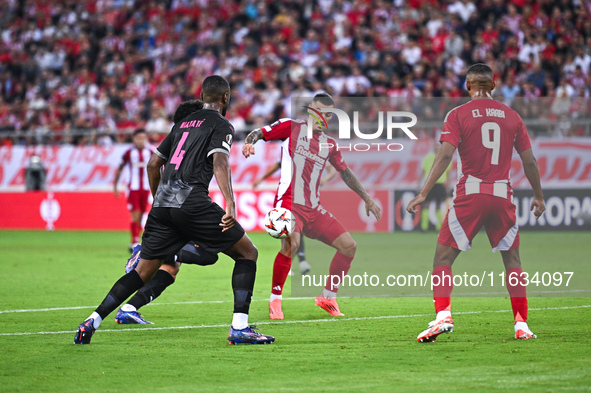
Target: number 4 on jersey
(179, 154)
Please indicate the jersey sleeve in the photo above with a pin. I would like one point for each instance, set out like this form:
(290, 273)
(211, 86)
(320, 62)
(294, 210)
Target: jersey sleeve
(163, 150)
(451, 128)
(221, 139)
(336, 159)
(125, 158)
(281, 130)
(522, 141)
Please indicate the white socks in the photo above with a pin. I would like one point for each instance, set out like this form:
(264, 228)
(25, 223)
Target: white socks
(523, 326)
(128, 308)
(273, 297)
(442, 315)
(328, 294)
(97, 319)
(239, 321)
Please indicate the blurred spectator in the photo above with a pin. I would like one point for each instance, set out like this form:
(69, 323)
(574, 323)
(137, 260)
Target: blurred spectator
(71, 67)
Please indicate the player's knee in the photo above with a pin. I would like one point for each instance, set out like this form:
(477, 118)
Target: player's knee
(251, 252)
(511, 259)
(349, 248)
(147, 268)
(286, 247)
(172, 269)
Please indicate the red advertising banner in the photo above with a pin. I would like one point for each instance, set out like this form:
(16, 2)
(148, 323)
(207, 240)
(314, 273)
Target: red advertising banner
(102, 211)
(64, 210)
(563, 163)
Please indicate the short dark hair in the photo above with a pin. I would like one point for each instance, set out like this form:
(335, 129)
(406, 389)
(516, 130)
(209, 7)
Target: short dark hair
(139, 131)
(480, 69)
(214, 87)
(323, 98)
(185, 109)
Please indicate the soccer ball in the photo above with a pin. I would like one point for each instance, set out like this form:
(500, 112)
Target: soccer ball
(279, 223)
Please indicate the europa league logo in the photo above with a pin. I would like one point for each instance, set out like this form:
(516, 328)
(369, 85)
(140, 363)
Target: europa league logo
(50, 211)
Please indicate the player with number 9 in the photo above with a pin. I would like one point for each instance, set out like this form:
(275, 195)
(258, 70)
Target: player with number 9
(484, 131)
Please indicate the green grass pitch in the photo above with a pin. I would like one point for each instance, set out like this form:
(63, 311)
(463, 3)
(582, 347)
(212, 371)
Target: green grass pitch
(51, 281)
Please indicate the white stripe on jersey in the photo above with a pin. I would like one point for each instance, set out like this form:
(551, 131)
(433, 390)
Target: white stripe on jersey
(286, 169)
(299, 163)
(316, 171)
(138, 176)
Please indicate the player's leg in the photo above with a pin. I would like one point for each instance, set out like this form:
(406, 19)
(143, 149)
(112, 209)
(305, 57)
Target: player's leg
(160, 240)
(304, 265)
(503, 234)
(245, 255)
(191, 254)
(164, 277)
(330, 231)
(123, 288)
(281, 267)
(460, 226)
(518, 293)
(135, 212)
(442, 285)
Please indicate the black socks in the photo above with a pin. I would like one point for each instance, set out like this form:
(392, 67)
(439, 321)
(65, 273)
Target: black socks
(122, 289)
(243, 283)
(152, 289)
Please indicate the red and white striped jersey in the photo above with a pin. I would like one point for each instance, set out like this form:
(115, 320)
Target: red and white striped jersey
(485, 132)
(137, 160)
(303, 159)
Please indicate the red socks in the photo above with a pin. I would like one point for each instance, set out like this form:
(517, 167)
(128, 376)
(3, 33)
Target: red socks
(280, 271)
(339, 267)
(442, 282)
(135, 232)
(443, 285)
(517, 292)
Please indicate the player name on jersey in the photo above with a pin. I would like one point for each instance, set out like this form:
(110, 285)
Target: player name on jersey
(490, 112)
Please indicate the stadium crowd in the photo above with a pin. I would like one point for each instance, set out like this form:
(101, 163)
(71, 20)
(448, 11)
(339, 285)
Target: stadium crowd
(110, 66)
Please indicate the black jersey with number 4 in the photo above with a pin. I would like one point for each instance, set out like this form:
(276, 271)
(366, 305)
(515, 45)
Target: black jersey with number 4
(188, 151)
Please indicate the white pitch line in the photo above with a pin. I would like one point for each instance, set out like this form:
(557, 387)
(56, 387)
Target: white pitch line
(294, 322)
(266, 300)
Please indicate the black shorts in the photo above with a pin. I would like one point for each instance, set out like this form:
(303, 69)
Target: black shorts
(168, 229)
(437, 193)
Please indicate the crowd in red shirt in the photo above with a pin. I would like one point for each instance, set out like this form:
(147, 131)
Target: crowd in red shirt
(110, 66)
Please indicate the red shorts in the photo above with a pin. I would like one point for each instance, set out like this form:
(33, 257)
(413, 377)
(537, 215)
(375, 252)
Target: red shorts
(317, 223)
(138, 200)
(284, 202)
(470, 213)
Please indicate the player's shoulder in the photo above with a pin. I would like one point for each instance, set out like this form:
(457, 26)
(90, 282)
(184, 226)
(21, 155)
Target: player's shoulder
(455, 111)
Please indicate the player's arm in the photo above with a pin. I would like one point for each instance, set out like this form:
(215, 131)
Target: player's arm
(117, 176)
(154, 174)
(530, 167)
(353, 183)
(253, 137)
(280, 130)
(442, 160)
(221, 170)
(272, 169)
